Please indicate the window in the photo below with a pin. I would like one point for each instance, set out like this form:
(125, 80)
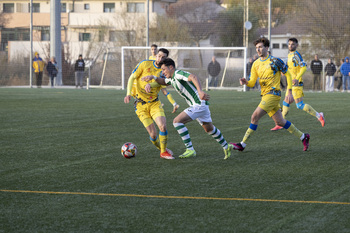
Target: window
(275, 46)
(63, 7)
(45, 35)
(284, 46)
(101, 35)
(108, 7)
(87, 6)
(36, 7)
(136, 7)
(8, 7)
(84, 36)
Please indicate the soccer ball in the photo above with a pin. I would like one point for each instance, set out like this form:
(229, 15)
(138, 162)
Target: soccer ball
(129, 150)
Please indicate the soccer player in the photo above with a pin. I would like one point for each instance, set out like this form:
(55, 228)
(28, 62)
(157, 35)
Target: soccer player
(148, 107)
(297, 68)
(154, 51)
(189, 87)
(269, 69)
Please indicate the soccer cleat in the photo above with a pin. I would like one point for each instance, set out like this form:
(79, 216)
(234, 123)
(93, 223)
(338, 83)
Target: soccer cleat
(306, 141)
(237, 146)
(277, 127)
(175, 108)
(188, 153)
(169, 151)
(321, 119)
(228, 151)
(166, 155)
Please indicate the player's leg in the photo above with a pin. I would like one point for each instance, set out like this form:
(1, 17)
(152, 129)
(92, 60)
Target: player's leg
(179, 124)
(310, 110)
(279, 120)
(157, 113)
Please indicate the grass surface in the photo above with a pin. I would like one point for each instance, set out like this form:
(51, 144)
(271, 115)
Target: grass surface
(62, 171)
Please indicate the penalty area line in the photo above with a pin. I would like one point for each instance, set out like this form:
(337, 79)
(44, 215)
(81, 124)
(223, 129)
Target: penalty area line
(175, 197)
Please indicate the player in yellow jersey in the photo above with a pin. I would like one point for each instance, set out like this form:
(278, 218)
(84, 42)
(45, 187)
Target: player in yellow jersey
(154, 51)
(297, 68)
(269, 69)
(148, 107)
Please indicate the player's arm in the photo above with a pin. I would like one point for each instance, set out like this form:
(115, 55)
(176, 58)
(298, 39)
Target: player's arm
(202, 95)
(129, 88)
(289, 96)
(300, 74)
(252, 79)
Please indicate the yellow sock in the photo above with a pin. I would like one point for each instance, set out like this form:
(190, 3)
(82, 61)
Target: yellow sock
(170, 98)
(156, 142)
(292, 129)
(307, 108)
(252, 128)
(163, 138)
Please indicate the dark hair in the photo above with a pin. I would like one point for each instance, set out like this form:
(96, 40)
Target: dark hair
(154, 45)
(263, 40)
(164, 51)
(295, 40)
(167, 62)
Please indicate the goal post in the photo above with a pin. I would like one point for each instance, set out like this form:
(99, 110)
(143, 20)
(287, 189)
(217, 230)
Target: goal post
(113, 68)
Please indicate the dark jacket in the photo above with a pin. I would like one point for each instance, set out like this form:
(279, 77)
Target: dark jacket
(51, 69)
(214, 68)
(316, 66)
(80, 65)
(330, 69)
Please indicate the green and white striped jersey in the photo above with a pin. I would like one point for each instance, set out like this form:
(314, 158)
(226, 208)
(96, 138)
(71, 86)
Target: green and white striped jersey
(185, 88)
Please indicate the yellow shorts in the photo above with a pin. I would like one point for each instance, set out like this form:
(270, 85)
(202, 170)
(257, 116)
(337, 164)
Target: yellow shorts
(297, 92)
(149, 111)
(270, 104)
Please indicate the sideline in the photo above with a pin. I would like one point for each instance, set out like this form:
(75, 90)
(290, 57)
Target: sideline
(175, 197)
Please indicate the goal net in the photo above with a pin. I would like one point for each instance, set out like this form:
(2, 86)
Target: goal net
(195, 60)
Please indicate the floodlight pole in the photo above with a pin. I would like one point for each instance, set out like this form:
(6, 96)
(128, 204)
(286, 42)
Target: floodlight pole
(31, 46)
(269, 27)
(55, 36)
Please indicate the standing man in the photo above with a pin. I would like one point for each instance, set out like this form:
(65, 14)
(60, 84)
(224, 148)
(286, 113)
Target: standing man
(345, 71)
(297, 67)
(148, 107)
(316, 68)
(38, 66)
(79, 72)
(52, 69)
(189, 87)
(154, 51)
(214, 69)
(269, 70)
(330, 70)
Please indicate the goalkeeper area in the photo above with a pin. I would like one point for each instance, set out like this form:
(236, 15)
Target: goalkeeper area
(118, 64)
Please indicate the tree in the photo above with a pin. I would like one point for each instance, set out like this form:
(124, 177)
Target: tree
(328, 25)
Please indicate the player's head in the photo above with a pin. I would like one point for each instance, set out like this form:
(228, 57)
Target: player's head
(168, 67)
(154, 49)
(262, 46)
(292, 44)
(162, 53)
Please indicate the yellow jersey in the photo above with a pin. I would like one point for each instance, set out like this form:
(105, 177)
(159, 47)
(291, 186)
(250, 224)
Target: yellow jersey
(152, 58)
(268, 78)
(145, 68)
(295, 65)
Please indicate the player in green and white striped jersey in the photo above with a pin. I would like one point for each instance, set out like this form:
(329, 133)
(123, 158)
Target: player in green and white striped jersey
(189, 87)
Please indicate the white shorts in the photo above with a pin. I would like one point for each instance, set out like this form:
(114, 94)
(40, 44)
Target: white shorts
(201, 113)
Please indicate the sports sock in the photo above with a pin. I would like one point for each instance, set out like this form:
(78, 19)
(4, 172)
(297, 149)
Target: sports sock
(216, 134)
(307, 108)
(170, 98)
(155, 142)
(292, 129)
(250, 131)
(163, 138)
(285, 109)
(185, 136)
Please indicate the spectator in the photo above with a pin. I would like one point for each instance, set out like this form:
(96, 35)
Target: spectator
(52, 69)
(79, 72)
(214, 69)
(316, 68)
(339, 76)
(38, 66)
(330, 70)
(154, 51)
(345, 71)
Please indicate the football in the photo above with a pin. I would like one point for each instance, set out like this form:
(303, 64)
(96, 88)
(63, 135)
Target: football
(129, 150)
